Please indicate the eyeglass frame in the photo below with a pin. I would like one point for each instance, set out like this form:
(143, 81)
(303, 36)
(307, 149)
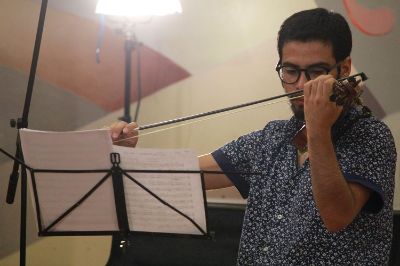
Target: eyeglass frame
(305, 70)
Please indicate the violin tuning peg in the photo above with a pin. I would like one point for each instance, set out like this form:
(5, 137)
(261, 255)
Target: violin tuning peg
(333, 97)
(363, 76)
(352, 80)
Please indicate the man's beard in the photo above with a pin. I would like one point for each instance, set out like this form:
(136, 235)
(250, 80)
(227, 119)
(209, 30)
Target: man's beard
(298, 111)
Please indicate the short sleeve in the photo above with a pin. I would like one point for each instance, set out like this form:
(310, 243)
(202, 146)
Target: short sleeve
(235, 159)
(248, 154)
(367, 155)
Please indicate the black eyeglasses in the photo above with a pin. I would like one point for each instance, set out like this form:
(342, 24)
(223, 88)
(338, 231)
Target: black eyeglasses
(291, 74)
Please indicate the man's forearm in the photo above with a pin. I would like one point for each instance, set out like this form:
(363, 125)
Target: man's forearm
(213, 181)
(333, 195)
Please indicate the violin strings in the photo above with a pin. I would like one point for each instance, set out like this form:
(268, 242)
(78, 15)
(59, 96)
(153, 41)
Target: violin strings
(207, 118)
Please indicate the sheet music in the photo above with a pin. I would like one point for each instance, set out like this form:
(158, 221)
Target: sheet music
(181, 190)
(86, 150)
(78, 150)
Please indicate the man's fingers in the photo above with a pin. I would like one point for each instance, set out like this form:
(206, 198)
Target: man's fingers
(117, 128)
(321, 86)
(130, 128)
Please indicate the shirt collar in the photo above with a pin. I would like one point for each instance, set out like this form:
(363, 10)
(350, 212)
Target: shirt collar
(344, 122)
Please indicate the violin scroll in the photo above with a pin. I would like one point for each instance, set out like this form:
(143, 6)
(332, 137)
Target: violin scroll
(347, 91)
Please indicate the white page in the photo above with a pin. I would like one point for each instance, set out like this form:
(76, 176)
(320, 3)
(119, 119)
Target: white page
(80, 150)
(88, 150)
(183, 191)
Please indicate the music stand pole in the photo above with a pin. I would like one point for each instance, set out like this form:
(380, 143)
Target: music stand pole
(23, 123)
(131, 44)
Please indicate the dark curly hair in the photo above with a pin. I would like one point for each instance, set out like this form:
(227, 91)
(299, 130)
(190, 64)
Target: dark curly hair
(317, 24)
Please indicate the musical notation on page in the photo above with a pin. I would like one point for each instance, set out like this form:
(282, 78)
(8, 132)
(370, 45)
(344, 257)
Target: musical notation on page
(90, 150)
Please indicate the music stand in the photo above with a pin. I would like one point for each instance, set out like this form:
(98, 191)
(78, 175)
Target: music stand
(116, 173)
(19, 123)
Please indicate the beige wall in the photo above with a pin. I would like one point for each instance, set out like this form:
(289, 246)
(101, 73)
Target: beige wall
(228, 47)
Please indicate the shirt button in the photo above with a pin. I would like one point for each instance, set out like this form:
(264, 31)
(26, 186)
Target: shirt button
(279, 216)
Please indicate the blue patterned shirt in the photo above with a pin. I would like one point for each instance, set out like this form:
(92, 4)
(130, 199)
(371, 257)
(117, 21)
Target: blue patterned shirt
(282, 225)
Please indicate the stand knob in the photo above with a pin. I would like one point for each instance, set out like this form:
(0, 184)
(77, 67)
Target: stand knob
(13, 123)
(19, 123)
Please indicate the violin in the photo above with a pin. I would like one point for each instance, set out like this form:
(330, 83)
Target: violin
(346, 92)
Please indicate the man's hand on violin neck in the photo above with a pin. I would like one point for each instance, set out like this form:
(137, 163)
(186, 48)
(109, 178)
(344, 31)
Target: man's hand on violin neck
(320, 113)
(124, 134)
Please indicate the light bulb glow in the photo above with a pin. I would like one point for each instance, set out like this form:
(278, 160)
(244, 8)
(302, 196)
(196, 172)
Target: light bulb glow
(138, 8)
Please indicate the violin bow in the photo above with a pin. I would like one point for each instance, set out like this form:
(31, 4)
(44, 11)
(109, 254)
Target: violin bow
(291, 95)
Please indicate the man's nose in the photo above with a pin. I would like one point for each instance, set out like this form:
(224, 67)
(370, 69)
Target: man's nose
(302, 80)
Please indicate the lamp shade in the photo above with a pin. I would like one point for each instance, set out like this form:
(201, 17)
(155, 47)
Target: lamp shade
(138, 8)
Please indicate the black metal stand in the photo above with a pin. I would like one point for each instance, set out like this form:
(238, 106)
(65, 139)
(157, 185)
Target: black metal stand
(116, 173)
(130, 45)
(119, 193)
(23, 123)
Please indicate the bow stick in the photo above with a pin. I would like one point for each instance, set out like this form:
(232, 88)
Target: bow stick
(339, 96)
(291, 95)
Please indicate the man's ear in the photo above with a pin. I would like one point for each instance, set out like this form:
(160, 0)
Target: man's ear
(345, 67)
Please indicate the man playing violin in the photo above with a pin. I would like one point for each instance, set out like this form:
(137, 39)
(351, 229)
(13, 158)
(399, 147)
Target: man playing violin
(329, 201)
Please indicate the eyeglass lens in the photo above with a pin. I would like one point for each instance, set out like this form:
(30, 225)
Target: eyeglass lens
(290, 74)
